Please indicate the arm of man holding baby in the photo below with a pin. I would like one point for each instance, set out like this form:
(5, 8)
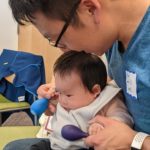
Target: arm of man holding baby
(115, 135)
(116, 131)
(116, 110)
(112, 133)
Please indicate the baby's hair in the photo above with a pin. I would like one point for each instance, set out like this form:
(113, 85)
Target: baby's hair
(90, 67)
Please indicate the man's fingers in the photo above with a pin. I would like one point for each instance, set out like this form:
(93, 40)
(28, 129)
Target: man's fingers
(95, 128)
(91, 140)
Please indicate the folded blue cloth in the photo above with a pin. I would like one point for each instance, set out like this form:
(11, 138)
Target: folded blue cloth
(29, 74)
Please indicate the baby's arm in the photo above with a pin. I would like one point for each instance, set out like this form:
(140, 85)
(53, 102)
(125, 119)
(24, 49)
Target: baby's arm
(117, 110)
(48, 91)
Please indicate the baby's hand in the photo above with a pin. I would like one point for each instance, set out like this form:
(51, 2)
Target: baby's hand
(94, 128)
(48, 91)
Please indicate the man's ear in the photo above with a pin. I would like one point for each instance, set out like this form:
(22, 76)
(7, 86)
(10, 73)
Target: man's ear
(96, 90)
(93, 7)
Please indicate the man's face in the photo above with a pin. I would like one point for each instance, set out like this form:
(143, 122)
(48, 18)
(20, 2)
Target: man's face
(71, 91)
(92, 37)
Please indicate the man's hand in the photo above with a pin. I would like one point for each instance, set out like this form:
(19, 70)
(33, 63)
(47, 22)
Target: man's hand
(114, 136)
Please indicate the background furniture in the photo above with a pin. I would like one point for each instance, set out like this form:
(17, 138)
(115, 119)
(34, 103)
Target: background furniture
(8, 134)
(31, 40)
(19, 91)
(9, 106)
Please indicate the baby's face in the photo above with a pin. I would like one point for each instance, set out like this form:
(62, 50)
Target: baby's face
(71, 91)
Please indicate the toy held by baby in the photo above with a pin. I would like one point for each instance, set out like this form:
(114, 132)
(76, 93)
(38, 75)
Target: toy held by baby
(73, 133)
(39, 106)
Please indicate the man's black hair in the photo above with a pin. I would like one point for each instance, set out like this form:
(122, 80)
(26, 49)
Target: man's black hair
(23, 10)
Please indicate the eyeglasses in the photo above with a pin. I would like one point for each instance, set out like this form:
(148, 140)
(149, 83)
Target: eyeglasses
(56, 43)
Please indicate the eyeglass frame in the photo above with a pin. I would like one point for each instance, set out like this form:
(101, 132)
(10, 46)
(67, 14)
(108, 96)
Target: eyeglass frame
(72, 12)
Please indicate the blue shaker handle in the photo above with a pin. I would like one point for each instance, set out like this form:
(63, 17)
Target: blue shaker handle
(39, 106)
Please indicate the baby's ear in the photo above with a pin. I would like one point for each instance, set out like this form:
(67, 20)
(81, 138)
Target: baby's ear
(96, 90)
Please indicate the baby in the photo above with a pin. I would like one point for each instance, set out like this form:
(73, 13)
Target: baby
(80, 82)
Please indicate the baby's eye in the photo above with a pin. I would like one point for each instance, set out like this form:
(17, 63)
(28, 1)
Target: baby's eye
(68, 95)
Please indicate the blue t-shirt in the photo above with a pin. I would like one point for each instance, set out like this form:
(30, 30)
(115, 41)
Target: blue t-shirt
(131, 71)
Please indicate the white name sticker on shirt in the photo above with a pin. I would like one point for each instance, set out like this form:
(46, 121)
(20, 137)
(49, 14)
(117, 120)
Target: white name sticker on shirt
(131, 85)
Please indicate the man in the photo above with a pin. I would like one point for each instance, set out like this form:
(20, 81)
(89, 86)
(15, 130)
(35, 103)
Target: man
(118, 27)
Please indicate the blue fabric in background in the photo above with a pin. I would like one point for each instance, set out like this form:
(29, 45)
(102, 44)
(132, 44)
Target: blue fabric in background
(29, 74)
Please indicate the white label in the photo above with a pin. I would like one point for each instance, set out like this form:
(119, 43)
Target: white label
(21, 98)
(131, 85)
(5, 63)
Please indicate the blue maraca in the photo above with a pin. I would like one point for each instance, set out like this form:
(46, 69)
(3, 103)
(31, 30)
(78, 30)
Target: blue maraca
(72, 133)
(39, 106)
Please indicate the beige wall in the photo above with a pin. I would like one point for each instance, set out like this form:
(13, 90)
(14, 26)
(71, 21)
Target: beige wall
(8, 27)
(30, 40)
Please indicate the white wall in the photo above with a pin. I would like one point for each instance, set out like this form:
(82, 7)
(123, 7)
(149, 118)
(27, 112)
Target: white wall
(8, 27)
